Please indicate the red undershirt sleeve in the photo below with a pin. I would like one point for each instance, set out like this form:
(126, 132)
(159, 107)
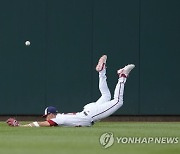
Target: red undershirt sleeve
(52, 123)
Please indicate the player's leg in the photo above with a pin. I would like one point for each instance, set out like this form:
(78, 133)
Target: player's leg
(106, 109)
(103, 87)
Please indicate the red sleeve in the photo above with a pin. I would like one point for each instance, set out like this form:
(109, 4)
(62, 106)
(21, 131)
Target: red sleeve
(52, 123)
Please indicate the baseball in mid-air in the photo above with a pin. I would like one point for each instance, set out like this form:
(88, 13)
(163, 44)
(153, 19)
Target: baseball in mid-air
(27, 43)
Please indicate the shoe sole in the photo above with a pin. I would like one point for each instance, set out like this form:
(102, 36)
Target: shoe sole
(101, 64)
(126, 70)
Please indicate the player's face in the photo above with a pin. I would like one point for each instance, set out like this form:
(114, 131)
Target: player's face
(50, 116)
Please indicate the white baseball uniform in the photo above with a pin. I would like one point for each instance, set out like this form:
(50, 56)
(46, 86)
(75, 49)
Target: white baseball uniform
(95, 111)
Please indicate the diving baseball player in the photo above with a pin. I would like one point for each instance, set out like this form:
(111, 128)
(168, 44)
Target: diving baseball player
(92, 112)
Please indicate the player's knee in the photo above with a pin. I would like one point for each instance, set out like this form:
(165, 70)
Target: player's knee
(108, 97)
(120, 102)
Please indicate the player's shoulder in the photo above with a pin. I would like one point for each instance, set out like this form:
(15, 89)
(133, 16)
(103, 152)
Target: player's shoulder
(59, 114)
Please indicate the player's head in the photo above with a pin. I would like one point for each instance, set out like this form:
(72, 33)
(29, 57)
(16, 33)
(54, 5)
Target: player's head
(50, 112)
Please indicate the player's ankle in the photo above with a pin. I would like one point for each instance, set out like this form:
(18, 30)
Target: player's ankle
(123, 75)
(103, 72)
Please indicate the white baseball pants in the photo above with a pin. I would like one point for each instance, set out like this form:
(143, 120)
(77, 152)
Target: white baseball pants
(104, 106)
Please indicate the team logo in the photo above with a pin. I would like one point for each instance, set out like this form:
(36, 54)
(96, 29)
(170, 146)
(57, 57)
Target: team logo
(106, 139)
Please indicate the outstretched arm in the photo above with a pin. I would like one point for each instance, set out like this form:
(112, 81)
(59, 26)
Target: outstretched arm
(14, 122)
(37, 124)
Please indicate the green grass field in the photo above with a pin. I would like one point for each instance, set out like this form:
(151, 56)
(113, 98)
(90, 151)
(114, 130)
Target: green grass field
(85, 140)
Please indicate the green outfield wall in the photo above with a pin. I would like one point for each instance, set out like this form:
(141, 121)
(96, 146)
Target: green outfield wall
(68, 37)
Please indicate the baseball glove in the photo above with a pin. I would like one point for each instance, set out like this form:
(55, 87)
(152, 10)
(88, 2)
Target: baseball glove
(12, 122)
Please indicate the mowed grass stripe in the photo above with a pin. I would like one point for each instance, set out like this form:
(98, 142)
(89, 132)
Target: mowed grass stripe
(81, 140)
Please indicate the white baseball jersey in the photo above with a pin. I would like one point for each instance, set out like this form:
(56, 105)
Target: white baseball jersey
(75, 119)
(96, 111)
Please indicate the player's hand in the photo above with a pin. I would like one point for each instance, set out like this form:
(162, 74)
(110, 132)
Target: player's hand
(12, 122)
